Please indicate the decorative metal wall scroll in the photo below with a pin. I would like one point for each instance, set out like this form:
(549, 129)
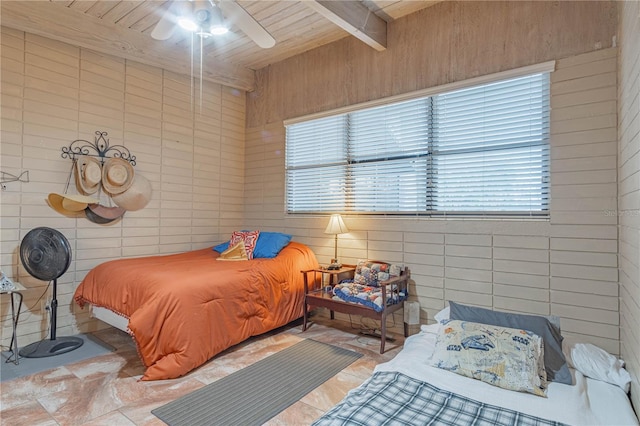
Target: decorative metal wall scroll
(100, 148)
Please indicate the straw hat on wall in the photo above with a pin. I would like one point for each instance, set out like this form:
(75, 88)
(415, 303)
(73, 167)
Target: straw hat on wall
(137, 196)
(88, 174)
(97, 213)
(69, 204)
(117, 175)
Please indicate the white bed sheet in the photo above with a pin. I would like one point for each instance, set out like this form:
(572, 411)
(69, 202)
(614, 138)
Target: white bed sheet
(110, 317)
(587, 402)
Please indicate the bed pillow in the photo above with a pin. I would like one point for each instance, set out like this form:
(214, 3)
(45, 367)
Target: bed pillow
(371, 273)
(268, 246)
(250, 238)
(235, 252)
(505, 357)
(554, 360)
(270, 243)
(444, 314)
(596, 363)
(221, 247)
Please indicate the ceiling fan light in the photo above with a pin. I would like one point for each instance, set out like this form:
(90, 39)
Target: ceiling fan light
(188, 24)
(218, 26)
(204, 34)
(219, 29)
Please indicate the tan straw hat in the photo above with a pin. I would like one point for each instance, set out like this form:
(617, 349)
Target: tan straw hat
(137, 196)
(117, 175)
(68, 204)
(88, 174)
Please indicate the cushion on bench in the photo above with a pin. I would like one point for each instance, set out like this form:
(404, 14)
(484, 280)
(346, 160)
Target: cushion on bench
(371, 273)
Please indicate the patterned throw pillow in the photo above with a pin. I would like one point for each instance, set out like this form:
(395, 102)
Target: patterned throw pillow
(371, 273)
(248, 237)
(505, 357)
(235, 252)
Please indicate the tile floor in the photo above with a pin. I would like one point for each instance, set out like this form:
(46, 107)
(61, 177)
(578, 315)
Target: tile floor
(105, 390)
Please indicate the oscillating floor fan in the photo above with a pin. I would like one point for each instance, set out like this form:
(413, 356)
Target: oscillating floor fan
(46, 255)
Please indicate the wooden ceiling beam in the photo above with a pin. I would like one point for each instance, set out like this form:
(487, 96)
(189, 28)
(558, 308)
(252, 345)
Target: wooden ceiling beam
(355, 18)
(54, 20)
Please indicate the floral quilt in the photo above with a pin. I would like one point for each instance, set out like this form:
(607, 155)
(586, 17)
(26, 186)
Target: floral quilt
(369, 296)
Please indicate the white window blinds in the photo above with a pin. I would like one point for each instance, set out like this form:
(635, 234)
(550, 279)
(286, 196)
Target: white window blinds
(478, 150)
(491, 147)
(387, 155)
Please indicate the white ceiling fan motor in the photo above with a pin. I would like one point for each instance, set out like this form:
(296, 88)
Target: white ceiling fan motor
(202, 11)
(207, 17)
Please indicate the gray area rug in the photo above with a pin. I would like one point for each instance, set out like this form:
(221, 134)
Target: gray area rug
(257, 393)
(91, 347)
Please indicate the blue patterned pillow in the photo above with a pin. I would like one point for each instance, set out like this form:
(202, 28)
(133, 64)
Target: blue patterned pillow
(554, 360)
(505, 357)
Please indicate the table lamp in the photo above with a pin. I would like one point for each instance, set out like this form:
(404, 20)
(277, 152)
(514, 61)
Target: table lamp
(336, 226)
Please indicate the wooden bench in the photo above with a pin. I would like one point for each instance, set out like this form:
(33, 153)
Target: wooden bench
(315, 296)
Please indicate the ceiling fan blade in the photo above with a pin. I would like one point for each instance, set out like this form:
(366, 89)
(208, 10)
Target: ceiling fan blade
(243, 20)
(166, 25)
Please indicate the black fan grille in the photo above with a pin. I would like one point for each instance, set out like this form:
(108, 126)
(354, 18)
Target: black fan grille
(45, 253)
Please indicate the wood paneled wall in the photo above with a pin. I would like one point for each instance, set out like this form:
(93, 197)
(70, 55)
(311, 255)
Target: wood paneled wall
(448, 42)
(191, 151)
(629, 189)
(565, 266)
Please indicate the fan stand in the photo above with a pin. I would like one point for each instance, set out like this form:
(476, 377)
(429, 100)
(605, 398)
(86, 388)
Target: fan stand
(52, 347)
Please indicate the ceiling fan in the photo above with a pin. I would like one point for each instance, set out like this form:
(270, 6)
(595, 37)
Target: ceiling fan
(207, 18)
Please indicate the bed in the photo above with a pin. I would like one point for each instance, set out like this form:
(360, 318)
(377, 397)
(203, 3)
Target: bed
(183, 309)
(409, 390)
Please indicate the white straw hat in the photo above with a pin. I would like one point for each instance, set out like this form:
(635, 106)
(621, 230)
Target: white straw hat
(137, 196)
(88, 174)
(68, 204)
(117, 175)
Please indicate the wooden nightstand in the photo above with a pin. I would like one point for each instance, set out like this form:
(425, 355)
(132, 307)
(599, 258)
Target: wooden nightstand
(314, 296)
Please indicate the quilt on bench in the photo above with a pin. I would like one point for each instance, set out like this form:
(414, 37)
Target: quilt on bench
(367, 295)
(365, 287)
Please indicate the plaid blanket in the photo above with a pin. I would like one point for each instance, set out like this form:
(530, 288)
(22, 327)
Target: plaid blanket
(392, 398)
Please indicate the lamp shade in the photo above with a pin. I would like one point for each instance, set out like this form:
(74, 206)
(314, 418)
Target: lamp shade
(336, 225)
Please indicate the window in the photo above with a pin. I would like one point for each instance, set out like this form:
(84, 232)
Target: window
(477, 150)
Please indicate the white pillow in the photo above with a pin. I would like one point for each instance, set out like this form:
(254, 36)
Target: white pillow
(442, 315)
(596, 363)
(431, 328)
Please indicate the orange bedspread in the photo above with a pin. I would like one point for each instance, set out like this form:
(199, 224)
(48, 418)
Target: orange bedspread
(185, 308)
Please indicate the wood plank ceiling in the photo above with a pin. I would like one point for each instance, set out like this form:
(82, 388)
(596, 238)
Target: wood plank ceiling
(123, 29)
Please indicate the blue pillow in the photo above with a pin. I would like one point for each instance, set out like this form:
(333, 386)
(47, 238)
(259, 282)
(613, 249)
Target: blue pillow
(268, 245)
(222, 247)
